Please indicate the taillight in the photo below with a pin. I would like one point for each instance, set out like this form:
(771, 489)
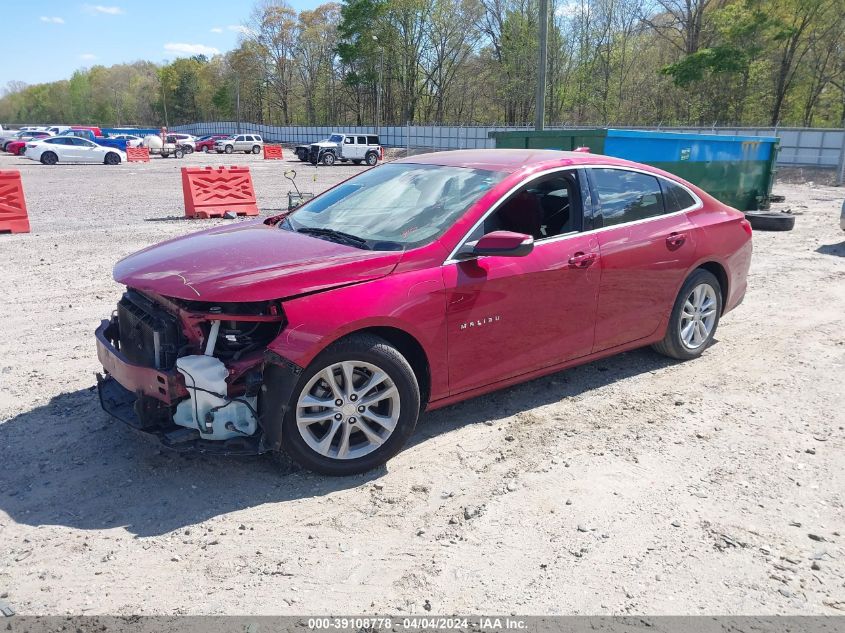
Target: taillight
(746, 225)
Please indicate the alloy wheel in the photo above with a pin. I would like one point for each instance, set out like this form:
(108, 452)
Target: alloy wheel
(348, 410)
(698, 316)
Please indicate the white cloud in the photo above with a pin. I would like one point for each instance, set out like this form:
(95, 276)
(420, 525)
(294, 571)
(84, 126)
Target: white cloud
(88, 57)
(572, 9)
(190, 49)
(52, 19)
(216, 29)
(240, 28)
(102, 10)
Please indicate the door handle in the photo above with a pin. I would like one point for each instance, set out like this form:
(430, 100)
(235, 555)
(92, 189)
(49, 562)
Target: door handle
(675, 240)
(582, 260)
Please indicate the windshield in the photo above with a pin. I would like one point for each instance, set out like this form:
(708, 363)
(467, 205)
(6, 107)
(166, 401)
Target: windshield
(395, 206)
(336, 138)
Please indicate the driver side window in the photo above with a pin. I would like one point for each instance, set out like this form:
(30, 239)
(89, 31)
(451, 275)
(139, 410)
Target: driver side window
(544, 208)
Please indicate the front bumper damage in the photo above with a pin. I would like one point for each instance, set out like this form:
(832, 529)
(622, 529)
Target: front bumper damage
(145, 399)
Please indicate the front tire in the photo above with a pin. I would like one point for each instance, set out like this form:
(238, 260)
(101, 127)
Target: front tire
(302, 155)
(328, 159)
(49, 158)
(694, 319)
(379, 405)
(229, 149)
(205, 149)
(256, 149)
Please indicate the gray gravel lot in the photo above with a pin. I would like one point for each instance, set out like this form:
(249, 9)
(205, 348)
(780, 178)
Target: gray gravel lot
(630, 485)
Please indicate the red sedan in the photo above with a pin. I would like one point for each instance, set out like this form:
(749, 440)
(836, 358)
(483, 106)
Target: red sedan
(206, 143)
(18, 146)
(420, 283)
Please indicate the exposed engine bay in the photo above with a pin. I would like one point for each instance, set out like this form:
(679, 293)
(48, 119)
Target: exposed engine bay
(188, 371)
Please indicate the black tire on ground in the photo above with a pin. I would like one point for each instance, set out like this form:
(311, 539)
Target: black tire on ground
(49, 158)
(178, 153)
(372, 159)
(256, 149)
(188, 149)
(770, 221)
(302, 155)
(219, 151)
(328, 159)
(356, 162)
(112, 159)
(376, 351)
(22, 150)
(672, 344)
(205, 149)
(229, 149)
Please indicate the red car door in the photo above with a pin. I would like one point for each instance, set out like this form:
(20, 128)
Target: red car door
(646, 252)
(508, 316)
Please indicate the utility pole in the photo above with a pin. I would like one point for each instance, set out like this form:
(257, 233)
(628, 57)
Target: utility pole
(238, 101)
(540, 97)
(380, 84)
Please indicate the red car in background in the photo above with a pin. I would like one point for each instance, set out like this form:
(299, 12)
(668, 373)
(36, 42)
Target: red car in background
(18, 146)
(325, 331)
(206, 143)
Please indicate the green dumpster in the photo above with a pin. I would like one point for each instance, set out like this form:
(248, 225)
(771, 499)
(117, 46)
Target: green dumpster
(738, 170)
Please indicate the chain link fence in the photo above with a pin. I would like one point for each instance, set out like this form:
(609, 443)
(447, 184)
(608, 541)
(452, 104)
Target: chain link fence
(799, 147)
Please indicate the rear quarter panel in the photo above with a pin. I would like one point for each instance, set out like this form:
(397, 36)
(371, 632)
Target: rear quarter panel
(722, 239)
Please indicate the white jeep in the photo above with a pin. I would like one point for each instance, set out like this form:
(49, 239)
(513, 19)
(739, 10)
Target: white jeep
(356, 148)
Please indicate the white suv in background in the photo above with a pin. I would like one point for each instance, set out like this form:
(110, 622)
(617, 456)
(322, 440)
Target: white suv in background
(246, 143)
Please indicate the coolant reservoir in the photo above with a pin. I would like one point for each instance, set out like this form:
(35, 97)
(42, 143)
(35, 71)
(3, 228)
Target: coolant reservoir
(204, 374)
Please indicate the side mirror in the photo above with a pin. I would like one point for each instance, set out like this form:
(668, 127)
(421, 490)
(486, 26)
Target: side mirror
(499, 243)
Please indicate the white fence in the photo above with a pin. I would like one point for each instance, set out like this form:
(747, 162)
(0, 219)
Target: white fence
(805, 147)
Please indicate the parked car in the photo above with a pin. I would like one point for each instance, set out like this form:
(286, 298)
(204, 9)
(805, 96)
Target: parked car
(206, 143)
(357, 148)
(246, 143)
(89, 134)
(131, 139)
(185, 140)
(72, 149)
(8, 135)
(18, 145)
(433, 279)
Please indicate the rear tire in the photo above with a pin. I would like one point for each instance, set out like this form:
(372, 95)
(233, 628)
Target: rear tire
(694, 319)
(372, 159)
(49, 158)
(399, 390)
(178, 154)
(302, 155)
(112, 159)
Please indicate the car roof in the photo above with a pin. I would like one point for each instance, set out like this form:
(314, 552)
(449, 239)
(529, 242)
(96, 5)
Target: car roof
(513, 160)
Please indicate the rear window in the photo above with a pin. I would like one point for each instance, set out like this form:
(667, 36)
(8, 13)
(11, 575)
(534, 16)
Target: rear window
(675, 197)
(627, 196)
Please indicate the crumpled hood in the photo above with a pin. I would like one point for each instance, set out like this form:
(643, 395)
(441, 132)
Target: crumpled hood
(249, 262)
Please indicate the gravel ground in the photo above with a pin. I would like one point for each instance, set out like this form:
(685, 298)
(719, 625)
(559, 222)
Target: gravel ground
(626, 486)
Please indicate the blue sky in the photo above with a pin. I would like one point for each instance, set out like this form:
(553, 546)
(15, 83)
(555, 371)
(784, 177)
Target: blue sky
(46, 40)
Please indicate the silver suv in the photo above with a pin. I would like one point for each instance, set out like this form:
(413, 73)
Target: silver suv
(246, 143)
(341, 147)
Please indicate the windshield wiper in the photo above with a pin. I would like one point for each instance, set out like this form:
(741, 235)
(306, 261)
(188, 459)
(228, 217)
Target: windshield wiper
(339, 236)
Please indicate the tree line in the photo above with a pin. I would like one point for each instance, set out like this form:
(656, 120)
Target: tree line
(619, 62)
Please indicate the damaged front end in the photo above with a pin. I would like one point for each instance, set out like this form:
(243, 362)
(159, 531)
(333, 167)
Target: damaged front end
(193, 373)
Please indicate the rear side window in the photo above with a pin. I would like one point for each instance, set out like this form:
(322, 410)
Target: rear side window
(372, 140)
(257, 138)
(675, 197)
(626, 196)
(362, 140)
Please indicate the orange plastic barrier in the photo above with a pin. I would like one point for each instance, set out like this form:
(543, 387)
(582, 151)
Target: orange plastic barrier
(13, 215)
(210, 192)
(137, 154)
(381, 153)
(273, 152)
